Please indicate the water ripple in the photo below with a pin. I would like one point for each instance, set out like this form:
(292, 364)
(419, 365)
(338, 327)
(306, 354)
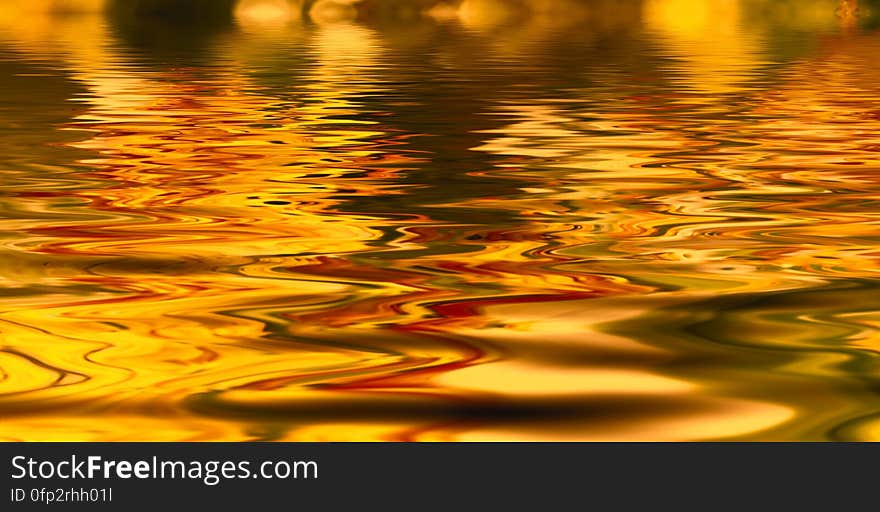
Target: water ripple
(639, 220)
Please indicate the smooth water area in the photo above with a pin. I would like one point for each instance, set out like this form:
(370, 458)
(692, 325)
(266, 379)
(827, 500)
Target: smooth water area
(425, 220)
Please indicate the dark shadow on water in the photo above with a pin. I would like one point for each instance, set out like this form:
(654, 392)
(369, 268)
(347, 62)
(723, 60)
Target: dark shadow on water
(170, 30)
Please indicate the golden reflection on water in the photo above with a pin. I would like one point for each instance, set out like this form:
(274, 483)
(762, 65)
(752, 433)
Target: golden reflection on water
(464, 220)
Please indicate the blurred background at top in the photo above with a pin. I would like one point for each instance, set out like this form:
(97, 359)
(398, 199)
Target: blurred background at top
(704, 47)
(155, 25)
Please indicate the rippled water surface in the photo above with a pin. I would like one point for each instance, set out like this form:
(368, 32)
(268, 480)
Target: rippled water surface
(470, 220)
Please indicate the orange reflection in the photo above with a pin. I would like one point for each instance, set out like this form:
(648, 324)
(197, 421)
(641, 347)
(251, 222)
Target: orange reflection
(319, 224)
